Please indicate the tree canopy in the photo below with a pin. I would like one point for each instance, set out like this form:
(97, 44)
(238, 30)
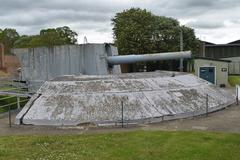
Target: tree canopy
(47, 37)
(138, 31)
(8, 36)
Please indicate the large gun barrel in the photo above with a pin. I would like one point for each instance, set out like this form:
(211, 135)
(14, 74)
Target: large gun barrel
(125, 59)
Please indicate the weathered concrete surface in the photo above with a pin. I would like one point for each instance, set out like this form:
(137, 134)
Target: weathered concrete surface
(72, 100)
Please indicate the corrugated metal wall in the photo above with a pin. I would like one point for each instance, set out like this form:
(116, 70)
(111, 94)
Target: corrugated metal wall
(41, 64)
(224, 51)
(234, 66)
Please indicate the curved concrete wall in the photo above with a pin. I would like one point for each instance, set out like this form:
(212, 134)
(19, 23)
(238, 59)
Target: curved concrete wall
(73, 100)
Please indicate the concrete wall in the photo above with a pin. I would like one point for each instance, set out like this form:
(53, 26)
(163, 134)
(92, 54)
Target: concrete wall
(41, 64)
(220, 76)
(234, 66)
(146, 97)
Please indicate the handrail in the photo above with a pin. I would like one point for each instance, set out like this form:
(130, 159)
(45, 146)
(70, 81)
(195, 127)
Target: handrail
(7, 98)
(13, 103)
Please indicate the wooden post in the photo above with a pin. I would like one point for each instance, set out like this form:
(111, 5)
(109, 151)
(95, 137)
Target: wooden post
(9, 116)
(237, 94)
(122, 113)
(207, 105)
(181, 65)
(181, 49)
(18, 102)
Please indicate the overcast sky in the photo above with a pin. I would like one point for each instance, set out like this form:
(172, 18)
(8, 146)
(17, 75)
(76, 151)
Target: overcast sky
(213, 20)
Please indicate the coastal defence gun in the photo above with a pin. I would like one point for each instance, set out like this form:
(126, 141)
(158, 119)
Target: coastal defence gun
(45, 63)
(83, 84)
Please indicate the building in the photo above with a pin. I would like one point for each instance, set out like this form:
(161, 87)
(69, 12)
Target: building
(213, 70)
(230, 51)
(219, 51)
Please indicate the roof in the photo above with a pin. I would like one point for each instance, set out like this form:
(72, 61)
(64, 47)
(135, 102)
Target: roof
(210, 44)
(207, 43)
(222, 45)
(213, 59)
(235, 42)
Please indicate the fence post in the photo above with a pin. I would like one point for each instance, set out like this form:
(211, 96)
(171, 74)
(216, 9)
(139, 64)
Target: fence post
(18, 103)
(122, 113)
(237, 94)
(9, 116)
(207, 105)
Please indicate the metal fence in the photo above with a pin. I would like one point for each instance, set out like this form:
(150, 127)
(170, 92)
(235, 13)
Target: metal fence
(13, 96)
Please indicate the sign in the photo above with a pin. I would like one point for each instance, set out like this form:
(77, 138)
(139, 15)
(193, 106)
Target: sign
(224, 69)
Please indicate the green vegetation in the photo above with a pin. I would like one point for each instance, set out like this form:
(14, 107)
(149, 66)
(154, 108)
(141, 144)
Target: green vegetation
(234, 80)
(4, 100)
(139, 31)
(129, 145)
(8, 36)
(47, 37)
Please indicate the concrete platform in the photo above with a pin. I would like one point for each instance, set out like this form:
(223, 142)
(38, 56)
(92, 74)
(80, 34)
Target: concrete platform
(146, 97)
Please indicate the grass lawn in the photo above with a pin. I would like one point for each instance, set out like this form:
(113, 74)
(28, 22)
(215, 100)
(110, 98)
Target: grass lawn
(234, 80)
(150, 145)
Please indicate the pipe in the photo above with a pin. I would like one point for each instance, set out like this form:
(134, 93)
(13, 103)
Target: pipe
(115, 60)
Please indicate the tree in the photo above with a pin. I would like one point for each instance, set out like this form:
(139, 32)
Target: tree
(133, 30)
(8, 36)
(23, 41)
(48, 37)
(68, 36)
(166, 34)
(139, 31)
(190, 42)
(58, 36)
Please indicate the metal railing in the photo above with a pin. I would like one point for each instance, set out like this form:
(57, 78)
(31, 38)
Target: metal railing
(13, 96)
(8, 106)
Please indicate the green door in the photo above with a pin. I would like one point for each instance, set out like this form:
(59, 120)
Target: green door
(207, 73)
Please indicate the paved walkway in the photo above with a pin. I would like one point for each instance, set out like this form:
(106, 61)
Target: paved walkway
(227, 120)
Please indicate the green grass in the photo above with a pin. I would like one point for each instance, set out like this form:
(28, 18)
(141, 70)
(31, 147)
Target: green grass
(8, 101)
(234, 80)
(150, 145)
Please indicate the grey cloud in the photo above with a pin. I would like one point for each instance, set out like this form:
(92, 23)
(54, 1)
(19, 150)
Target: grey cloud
(196, 3)
(203, 24)
(77, 5)
(103, 30)
(53, 17)
(190, 8)
(235, 21)
(29, 16)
